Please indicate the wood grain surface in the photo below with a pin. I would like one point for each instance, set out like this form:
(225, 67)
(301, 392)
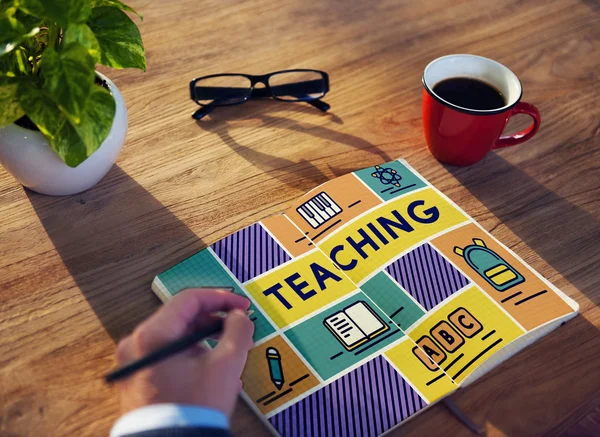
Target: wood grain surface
(75, 272)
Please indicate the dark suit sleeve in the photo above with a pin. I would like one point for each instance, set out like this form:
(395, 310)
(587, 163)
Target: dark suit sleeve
(183, 432)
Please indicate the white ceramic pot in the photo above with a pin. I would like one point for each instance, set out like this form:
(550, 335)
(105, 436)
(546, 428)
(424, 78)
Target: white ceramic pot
(28, 157)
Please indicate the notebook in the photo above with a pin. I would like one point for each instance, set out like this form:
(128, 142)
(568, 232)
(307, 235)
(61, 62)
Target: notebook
(374, 297)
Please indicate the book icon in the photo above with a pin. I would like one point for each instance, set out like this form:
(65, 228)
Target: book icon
(356, 324)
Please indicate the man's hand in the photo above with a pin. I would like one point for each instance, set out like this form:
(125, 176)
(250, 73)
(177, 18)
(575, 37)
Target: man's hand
(198, 376)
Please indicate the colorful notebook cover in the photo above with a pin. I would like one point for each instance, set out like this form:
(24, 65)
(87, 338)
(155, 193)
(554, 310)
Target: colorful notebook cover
(374, 296)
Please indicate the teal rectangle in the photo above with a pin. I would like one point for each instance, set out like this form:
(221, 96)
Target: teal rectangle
(393, 300)
(275, 370)
(325, 352)
(390, 180)
(203, 270)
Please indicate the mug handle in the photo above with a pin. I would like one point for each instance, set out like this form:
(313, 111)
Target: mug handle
(526, 134)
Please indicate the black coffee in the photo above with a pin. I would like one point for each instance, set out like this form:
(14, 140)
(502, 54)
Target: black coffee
(469, 93)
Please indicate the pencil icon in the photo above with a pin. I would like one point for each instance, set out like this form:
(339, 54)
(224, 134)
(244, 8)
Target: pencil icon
(275, 370)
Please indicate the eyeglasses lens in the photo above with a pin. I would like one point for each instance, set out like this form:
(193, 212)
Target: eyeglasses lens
(298, 85)
(222, 90)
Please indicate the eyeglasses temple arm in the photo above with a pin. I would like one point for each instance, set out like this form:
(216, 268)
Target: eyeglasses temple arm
(319, 104)
(203, 112)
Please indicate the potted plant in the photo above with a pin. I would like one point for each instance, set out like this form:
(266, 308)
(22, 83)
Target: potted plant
(63, 124)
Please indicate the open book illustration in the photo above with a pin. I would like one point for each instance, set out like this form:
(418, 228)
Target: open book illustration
(374, 297)
(355, 325)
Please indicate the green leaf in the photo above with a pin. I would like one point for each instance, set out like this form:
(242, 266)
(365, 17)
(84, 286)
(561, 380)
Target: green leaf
(14, 64)
(73, 143)
(12, 32)
(9, 102)
(115, 4)
(82, 34)
(8, 6)
(68, 77)
(119, 38)
(29, 21)
(41, 109)
(62, 12)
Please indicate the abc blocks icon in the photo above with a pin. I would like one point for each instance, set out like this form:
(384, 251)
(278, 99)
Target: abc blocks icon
(448, 337)
(465, 322)
(427, 350)
(462, 333)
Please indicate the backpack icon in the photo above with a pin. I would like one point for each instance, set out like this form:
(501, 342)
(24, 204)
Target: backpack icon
(489, 265)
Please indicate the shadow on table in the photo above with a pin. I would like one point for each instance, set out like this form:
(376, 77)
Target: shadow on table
(272, 114)
(554, 378)
(539, 217)
(113, 239)
(594, 5)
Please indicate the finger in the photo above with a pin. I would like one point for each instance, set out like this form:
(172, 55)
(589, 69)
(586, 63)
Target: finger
(216, 338)
(206, 321)
(198, 350)
(180, 316)
(188, 304)
(236, 339)
(125, 353)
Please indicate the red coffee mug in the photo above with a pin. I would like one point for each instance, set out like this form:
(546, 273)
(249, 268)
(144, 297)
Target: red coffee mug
(462, 136)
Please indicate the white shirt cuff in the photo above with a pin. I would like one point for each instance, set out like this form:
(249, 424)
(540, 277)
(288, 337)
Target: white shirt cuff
(168, 416)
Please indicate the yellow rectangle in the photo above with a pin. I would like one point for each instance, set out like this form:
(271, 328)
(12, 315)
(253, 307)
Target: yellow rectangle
(495, 270)
(503, 278)
(376, 238)
(299, 287)
(494, 331)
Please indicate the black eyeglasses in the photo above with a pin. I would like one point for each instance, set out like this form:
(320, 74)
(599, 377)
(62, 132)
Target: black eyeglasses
(233, 89)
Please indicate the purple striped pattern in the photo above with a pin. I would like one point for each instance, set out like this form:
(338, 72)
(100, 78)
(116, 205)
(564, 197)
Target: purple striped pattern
(427, 276)
(250, 252)
(365, 402)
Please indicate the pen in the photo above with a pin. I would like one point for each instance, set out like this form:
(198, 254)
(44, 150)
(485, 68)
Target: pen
(168, 350)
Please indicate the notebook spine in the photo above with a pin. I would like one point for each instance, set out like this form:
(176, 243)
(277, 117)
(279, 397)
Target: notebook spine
(160, 290)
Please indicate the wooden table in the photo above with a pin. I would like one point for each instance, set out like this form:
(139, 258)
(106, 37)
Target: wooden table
(76, 271)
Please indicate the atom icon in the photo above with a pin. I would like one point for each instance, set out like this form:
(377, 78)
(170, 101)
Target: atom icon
(387, 176)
